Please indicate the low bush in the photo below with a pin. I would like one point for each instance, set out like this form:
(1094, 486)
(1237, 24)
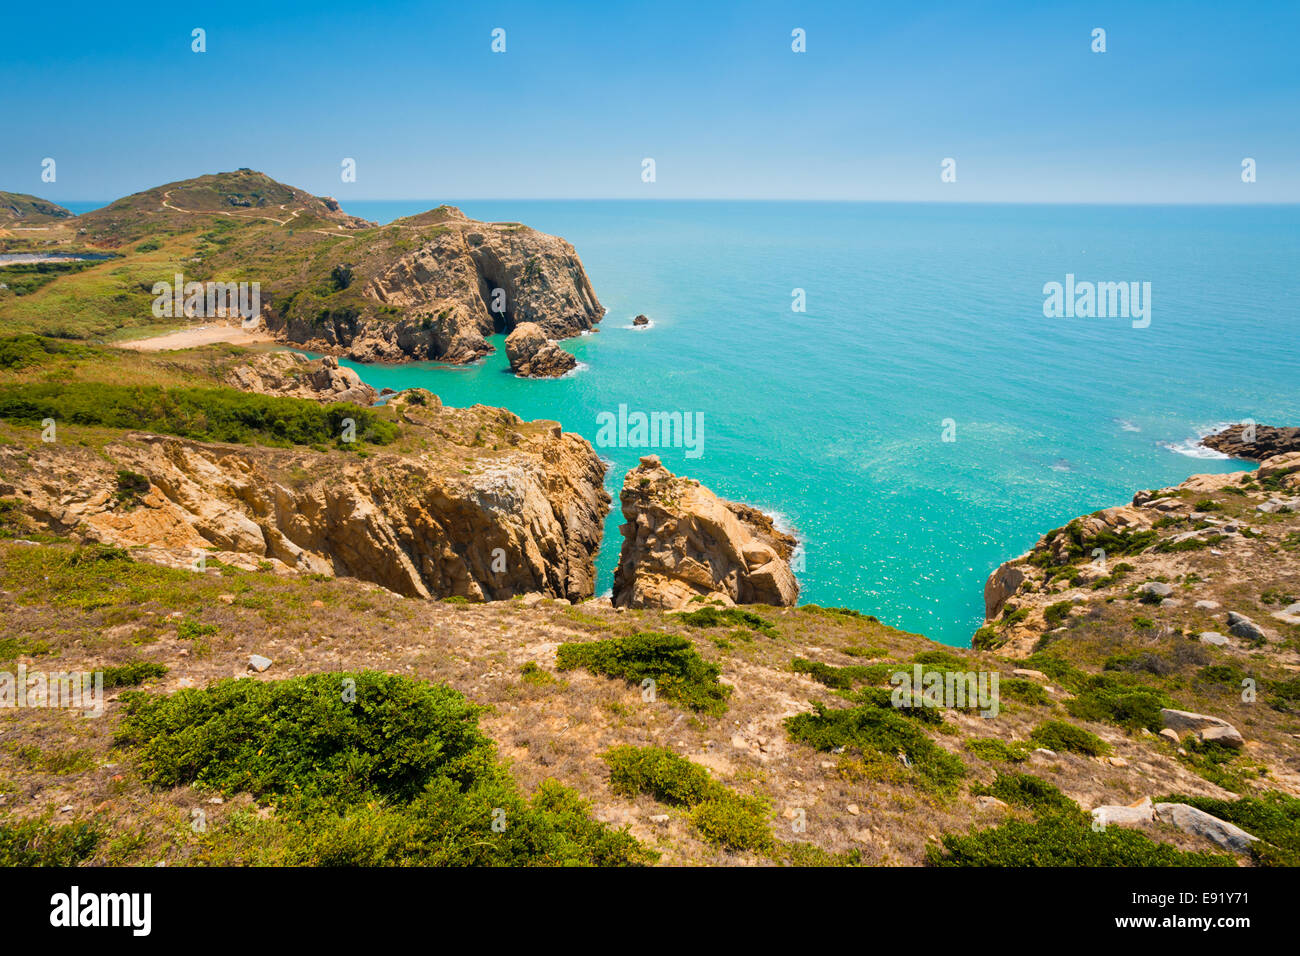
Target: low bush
(679, 672)
(1057, 735)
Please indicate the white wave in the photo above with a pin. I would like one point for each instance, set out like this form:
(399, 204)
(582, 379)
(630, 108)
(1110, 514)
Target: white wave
(580, 367)
(1127, 426)
(1192, 448)
(640, 328)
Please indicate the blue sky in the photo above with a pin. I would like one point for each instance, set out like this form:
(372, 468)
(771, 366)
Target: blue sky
(711, 91)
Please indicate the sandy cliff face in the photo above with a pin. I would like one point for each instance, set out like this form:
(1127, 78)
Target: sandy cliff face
(682, 541)
(457, 519)
(441, 283)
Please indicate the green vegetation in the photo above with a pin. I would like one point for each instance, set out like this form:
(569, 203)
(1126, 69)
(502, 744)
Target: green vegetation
(997, 750)
(1059, 840)
(28, 351)
(133, 674)
(679, 673)
(727, 617)
(37, 842)
(1108, 699)
(842, 678)
(367, 769)
(871, 728)
(1057, 736)
(206, 414)
(1026, 790)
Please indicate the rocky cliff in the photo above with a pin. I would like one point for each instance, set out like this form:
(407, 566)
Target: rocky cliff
(293, 375)
(435, 286)
(681, 541)
(481, 505)
(1187, 553)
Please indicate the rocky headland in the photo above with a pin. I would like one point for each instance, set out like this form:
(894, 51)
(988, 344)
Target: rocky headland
(683, 543)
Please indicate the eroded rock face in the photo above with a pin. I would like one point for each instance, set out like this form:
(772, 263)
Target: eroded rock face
(1268, 441)
(443, 286)
(459, 520)
(682, 541)
(293, 375)
(533, 355)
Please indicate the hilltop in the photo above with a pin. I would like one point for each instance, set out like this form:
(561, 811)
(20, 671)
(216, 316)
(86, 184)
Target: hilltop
(20, 209)
(431, 286)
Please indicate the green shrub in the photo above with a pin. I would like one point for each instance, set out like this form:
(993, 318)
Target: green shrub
(1024, 690)
(679, 672)
(727, 617)
(133, 674)
(1026, 790)
(1057, 840)
(994, 749)
(842, 678)
(37, 842)
(1055, 614)
(719, 814)
(369, 768)
(661, 773)
(1057, 735)
(881, 730)
(1106, 699)
(25, 351)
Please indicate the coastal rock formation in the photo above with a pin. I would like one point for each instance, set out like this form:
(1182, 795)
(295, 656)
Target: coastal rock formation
(294, 375)
(1218, 534)
(641, 320)
(458, 518)
(681, 541)
(533, 355)
(1268, 442)
(434, 286)
(25, 209)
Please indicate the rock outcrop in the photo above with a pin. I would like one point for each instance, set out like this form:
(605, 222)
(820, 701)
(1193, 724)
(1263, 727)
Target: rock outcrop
(533, 355)
(293, 375)
(1268, 441)
(681, 541)
(458, 518)
(1193, 546)
(434, 286)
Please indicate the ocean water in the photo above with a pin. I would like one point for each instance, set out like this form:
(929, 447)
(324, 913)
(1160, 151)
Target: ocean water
(834, 418)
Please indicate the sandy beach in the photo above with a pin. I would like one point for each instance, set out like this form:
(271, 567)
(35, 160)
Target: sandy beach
(201, 335)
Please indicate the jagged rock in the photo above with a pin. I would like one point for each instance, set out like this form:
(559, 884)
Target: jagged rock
(457, 519)
(1269, 441)
(293, 375)
(1002, 583)
(259, 663)
(681, 541)
(1197, 822)
(1204, 726)
(641, 320)
(440, 299)
(533, 355)
(1244, 627)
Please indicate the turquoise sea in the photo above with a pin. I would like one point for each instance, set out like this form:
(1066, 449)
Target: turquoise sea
(833, 418)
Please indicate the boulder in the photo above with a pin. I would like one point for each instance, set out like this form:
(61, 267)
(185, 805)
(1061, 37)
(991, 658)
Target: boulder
(1130, 816)
(1214, 637)
(1289, 615)
(1204, 726)
(1002, 583)
(293, 375)
(1197, 822)
(1244, 627)
(683, 544)
(533, 355)
(641, 320)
